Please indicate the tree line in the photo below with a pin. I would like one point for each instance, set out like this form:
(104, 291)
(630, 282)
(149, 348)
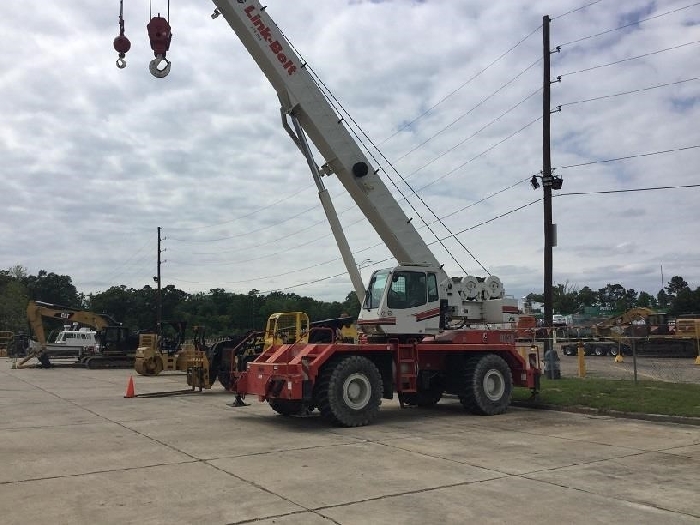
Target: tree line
(221, 313)
(225, 313)
(676, 298)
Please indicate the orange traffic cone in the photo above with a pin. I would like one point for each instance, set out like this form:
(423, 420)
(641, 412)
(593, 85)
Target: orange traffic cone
(130, 388)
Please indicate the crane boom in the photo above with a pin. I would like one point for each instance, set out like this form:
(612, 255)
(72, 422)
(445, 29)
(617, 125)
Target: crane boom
(416, 297)
(301, 97)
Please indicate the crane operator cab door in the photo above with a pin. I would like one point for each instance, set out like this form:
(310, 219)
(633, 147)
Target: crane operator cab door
(401, 300)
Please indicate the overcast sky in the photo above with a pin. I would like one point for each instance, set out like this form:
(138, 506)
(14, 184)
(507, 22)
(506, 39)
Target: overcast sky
(95, 158)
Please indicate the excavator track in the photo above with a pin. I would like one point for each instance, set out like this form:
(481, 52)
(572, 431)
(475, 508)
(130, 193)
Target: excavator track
(103, 362)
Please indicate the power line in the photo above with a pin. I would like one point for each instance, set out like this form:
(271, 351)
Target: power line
(630, 58)
(332, 99)
(470, 228)
(630, 190)
(480, 103)
(478, 74)
(257, 210)
(577, 9)
(636, 22)
(246, 233)
(602, 192)
(639, 155)
(482, 153)
(509, 110)
(640, 90)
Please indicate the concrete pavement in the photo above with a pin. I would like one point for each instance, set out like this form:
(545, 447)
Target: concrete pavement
(73, 450)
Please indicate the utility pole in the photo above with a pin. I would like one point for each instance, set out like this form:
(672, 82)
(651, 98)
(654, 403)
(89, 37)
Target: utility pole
(159, 314)
(547, 183)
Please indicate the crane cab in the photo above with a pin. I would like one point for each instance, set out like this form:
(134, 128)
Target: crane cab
(402, 300)
(410, 302)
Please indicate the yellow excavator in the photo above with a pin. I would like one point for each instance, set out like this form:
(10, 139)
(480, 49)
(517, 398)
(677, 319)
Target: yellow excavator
(115, 344)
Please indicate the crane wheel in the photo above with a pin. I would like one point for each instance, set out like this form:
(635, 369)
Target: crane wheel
(349, 391)
(488, 385)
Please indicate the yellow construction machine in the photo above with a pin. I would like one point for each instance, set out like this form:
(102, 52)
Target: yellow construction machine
(114, 344)
(652, 334)
(222, 358)
(166, 351)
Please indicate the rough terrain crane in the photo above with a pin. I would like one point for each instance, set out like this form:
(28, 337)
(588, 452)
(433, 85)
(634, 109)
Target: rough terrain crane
(424, 333)
(115, 348)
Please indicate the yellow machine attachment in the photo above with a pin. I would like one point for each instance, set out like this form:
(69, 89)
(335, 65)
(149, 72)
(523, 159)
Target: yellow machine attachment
(233, 354)
(289, 327)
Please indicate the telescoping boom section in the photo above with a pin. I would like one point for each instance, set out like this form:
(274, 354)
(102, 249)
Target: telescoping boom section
(424, 333)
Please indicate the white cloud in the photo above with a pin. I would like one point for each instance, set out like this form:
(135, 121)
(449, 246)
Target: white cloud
(96, 158)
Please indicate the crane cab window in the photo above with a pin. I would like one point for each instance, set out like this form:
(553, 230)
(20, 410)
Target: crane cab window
(375, 290)
(407, 290)
(433, 294)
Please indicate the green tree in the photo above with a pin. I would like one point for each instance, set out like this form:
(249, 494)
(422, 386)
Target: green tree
(13, 299)
(647, 300)
(587, 297)
(53, 288)
(675, 285)
(565, 299)
(614, 296)
(686, 302)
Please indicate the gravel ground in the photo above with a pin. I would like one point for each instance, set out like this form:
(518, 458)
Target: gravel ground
(675, 370)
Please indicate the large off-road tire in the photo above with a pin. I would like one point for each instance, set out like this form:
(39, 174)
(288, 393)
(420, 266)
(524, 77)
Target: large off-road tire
(286, 407)
(349, 391)
(488, 385)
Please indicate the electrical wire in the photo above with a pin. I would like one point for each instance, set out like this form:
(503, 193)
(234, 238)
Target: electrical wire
(640, 90)
(509, 110)
(490, 148)
(470, 228)
(577, 9)
(638, 155)
(341, 110)
(585, 70)
(479, 104)
(246, 233)
(636, 22)
(475, 76)
(257, 210)
(628, 190)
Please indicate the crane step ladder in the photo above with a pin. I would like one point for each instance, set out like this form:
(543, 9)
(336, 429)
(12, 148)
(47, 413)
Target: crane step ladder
(406, 368)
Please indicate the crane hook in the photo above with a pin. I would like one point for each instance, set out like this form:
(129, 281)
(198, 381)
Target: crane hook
(121, 43)
(156, 67)
(160, 34)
